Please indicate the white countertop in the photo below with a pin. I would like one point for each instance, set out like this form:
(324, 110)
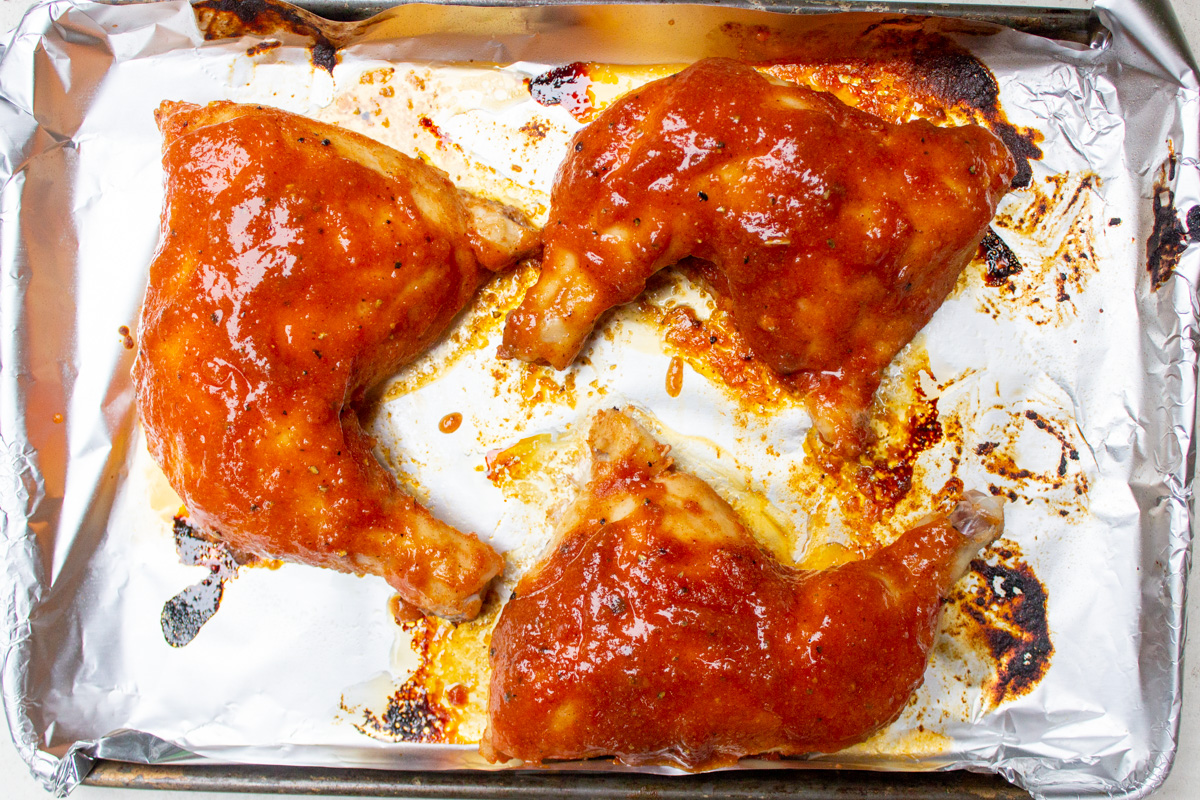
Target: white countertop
(1183, 783)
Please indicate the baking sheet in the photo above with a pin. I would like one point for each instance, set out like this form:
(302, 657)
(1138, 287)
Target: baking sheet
(283, 671)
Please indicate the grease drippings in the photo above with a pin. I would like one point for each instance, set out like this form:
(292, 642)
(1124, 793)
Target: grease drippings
(185, 613)
(675, 376)
(412, 713)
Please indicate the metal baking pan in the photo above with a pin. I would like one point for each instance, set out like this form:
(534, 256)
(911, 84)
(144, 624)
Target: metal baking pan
(66, 492)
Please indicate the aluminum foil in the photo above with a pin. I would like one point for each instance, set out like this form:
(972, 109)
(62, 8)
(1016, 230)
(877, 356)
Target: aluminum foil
(1068, 387)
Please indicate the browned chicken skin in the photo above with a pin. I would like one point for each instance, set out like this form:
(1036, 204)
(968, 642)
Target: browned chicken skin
(299, 265)
(658, 631)
(834, 235)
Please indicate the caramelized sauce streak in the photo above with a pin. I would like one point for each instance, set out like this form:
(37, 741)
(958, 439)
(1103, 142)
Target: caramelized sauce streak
(263, 47)
(450, 422)
(885, 478)
(715, 349)
(1020, 483)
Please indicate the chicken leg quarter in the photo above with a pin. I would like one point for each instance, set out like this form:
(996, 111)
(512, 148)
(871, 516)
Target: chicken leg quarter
(298, 266)
(659, 632)
(834, 235)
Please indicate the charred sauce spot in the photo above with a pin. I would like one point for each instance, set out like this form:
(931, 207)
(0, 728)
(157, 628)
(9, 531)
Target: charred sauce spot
(1060, 285)
(412, 713)
(1001, 262)
(324, 55)
(263, 47)
(1008, 605)
(1058, 216)
(428, 124)
(223, 19)
(1169, 238)
(185, 613)
(566, 86)
(409, 717)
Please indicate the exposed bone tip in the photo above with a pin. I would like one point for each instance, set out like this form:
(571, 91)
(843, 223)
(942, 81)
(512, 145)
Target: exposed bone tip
(979, 517)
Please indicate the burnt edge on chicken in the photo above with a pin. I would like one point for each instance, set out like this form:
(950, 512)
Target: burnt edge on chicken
(925, 62)
(951, 72)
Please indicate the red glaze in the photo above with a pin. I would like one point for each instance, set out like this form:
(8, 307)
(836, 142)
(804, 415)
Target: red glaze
(834, 235)
(299, 265)
(659, 632)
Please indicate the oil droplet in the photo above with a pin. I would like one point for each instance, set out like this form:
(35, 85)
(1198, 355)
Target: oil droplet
(402, 612)
(58, 419)
(675, 376)
(450, 423)
(458, 695)
(126, 336)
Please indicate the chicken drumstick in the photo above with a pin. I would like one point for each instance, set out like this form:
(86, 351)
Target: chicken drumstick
(659, 632)
(298, 266)
(834, 235)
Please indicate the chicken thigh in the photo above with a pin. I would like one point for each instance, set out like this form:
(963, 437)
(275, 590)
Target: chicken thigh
(298, 266)
(834, 235)
(659, 632)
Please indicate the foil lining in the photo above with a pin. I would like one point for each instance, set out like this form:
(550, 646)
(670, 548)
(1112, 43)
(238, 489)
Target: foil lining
(1060, 374)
